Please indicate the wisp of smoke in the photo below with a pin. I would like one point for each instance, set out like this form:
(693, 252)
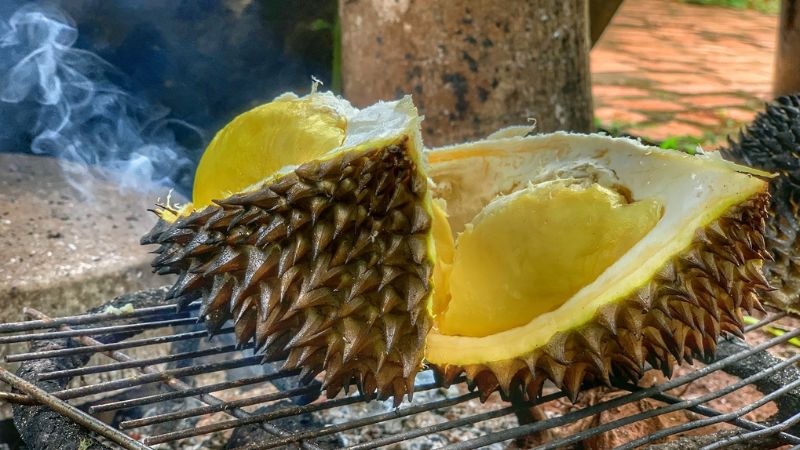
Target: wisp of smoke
(79, 113)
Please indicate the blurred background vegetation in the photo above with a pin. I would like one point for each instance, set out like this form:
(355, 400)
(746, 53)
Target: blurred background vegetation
(764, 6)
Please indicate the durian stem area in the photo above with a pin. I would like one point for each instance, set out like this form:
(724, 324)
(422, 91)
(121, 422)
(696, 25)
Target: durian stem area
(529, 252)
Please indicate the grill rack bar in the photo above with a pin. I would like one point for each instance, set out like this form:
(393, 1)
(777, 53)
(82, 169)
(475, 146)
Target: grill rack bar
(96, 331)
(702, 399)
(770, 318)
(153, 377)
(708, 412)
(794, 420)
(170, 313)
(73, 413)
(101, 368)
(778, 429)
(444, 426)
(272, 415)
(199, 411)
(360, 422)
(83, 319)
(124, 404)
(100, 347)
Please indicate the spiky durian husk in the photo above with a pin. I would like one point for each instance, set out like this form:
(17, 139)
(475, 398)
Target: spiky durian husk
(676, 317)
(772, 143)
(327, 266)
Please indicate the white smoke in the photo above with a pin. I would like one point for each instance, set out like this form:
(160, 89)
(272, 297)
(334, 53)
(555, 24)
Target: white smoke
(80, 113)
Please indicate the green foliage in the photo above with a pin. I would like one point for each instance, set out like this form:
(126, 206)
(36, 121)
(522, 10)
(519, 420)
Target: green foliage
(764, 6)
(320, 24)
(308, 31)
(683, 143)
(613, 128)
(686, 144)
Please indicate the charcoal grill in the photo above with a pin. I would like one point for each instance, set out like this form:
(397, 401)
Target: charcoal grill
(61, 348)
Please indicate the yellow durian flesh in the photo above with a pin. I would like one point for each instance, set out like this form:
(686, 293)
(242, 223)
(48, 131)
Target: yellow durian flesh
(287, 131)
(267, 140)
(445, 247)
(528, 252)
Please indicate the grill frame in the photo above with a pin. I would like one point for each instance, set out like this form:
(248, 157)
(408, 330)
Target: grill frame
(150, 312)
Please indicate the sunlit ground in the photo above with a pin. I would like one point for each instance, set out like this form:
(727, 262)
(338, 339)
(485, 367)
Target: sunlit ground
(665, 72)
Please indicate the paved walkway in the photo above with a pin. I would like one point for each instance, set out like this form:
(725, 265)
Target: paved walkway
(668, 69)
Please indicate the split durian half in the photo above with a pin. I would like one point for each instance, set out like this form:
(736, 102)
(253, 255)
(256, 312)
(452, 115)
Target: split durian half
(577, 258)
(311, 231)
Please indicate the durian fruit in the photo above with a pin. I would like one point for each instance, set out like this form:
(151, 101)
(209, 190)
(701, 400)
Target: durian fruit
(311, 231)
(772, 142)
(580, 258)
(315, 230)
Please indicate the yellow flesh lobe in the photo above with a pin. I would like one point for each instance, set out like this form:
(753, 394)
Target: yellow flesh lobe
(529, 252)
(443, 238)
(258, 143)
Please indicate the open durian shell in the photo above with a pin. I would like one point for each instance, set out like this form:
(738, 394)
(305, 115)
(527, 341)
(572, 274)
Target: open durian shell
(311, 231)
(665, 301)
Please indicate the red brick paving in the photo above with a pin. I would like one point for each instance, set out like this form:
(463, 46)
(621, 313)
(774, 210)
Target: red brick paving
(740, 115)
(663, 130)
(619, 91)
(702, 118)
(665, 68)
(650, 105)
(611, 115)
(718, 100)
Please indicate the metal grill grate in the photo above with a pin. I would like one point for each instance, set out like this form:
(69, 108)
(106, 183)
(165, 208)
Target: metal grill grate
(60, 349)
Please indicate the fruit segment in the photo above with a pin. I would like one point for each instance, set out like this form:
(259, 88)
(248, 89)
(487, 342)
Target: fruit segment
(326, 261)
(581, 258)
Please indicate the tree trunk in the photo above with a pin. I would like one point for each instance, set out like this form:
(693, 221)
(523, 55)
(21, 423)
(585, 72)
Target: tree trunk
(787, 54)
(472, 66)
